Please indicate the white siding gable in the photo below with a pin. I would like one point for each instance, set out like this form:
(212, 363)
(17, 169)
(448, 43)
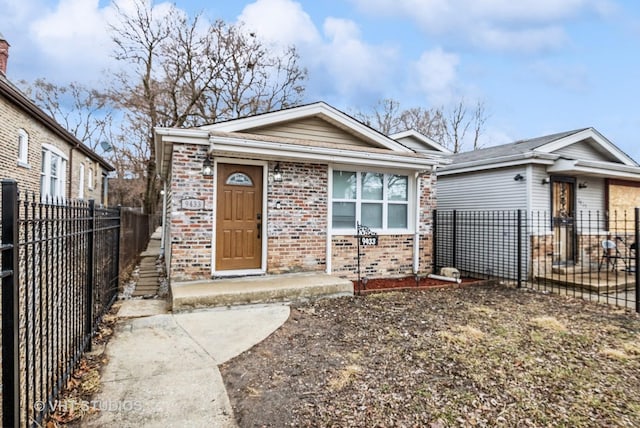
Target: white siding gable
(584, 150)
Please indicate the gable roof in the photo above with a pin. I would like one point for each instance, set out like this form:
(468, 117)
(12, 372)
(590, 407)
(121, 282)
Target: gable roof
(15, 96)
(540, 149)
(424, 143)
(319, 110)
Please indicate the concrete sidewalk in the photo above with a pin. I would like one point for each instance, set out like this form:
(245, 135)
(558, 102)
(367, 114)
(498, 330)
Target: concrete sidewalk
(163, 369)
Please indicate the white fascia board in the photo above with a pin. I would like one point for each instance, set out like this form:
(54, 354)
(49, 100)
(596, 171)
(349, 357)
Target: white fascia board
(178, 135)
(506, 161)
(165, 138)
(310, 110)
(246, 147)
(412, 133)
(607, 145)
(596, 169)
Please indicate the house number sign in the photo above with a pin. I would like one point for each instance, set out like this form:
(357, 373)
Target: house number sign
(368, 240)
(366, 236)
(192, 204)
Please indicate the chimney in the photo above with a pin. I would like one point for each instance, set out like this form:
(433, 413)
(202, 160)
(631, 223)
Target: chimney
(4, 55)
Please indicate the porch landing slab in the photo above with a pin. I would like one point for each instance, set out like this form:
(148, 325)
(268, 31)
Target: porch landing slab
(257, 289)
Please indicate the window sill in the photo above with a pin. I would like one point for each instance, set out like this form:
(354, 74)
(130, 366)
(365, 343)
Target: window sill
(24, 165)
(352, 232)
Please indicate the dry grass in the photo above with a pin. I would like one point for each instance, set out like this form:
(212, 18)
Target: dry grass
(344, 377)
(549, 323)
(483, 356)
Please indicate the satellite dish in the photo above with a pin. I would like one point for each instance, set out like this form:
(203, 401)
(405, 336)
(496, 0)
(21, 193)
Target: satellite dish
(106, 146)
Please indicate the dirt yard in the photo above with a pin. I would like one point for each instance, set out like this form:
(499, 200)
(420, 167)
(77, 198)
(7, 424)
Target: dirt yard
(472, 356)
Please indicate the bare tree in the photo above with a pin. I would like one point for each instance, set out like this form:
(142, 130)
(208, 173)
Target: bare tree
(449, 128)
(187, 72)
(457, 126)
(429, 122)
(80, 110)
(479, 119)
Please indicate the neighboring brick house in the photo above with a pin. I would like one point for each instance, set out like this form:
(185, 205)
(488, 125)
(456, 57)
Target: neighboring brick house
(283, 191)
(41, 155)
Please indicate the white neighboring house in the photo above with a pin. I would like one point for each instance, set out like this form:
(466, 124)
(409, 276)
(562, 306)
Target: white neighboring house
(578, 182)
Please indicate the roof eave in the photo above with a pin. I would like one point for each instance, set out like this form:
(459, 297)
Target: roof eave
(286, 151)
(531, 157)
(32, 109)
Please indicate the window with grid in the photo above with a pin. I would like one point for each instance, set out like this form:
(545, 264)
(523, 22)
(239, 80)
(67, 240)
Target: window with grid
(52, 173)
(377, 200)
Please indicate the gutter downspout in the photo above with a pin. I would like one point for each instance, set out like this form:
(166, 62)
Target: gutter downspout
(329, 216)
(416, 236)
(164, 215)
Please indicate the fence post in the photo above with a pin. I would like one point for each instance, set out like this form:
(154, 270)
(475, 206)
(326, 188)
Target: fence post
(88, 322)
(454, 231)
(118, 246)
(434, 235)
(519, 252)
(637, 241)
(10, 306)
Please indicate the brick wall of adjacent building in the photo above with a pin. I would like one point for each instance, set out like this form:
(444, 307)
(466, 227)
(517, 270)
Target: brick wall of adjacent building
(297, 219)
(13, 119)
(393, 256)
(28, 175)
(190, 231)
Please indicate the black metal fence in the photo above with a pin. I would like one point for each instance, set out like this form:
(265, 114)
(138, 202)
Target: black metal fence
(60, 273)
(588, 254)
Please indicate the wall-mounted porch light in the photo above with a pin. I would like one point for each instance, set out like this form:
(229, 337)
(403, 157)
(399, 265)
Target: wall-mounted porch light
(207, 167)
(546, 180)
(277, 174)
(519, 177)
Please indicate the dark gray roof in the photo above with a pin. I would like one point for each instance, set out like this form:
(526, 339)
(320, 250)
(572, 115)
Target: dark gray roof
(517, 148)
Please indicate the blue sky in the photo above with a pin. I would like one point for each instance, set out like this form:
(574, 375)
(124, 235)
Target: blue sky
(540, 66)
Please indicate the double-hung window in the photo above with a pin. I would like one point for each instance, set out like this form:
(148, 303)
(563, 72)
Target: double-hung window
(374, 199)
(23, 148)
(53, 173)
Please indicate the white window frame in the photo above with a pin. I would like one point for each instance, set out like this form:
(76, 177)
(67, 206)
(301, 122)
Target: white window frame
(81, 182)
(384, 230)
(59, 192)
(91, 180)
(23, 148)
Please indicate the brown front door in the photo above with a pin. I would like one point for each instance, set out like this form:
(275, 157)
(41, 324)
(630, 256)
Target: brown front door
(239, 217)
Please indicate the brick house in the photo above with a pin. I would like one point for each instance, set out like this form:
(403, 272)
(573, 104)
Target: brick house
(283, 192)
(42, 156)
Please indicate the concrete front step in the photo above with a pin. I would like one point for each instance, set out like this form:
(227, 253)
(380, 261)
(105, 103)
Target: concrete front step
(258, 289)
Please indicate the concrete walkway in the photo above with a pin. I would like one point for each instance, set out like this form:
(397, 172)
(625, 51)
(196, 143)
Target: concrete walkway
(162, 370)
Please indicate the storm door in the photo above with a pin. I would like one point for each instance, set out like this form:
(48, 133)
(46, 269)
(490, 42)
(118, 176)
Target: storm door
(563, 212)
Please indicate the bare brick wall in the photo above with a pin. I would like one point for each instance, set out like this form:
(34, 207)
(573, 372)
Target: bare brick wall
(14, 119)
(297, 219)
(393, 256)
(190, 231)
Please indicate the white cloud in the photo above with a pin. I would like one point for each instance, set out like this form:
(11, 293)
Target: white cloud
(436, 75)
(74, 34)
(281, 21)
(355, 65)
(340, 63)
(492, 24)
